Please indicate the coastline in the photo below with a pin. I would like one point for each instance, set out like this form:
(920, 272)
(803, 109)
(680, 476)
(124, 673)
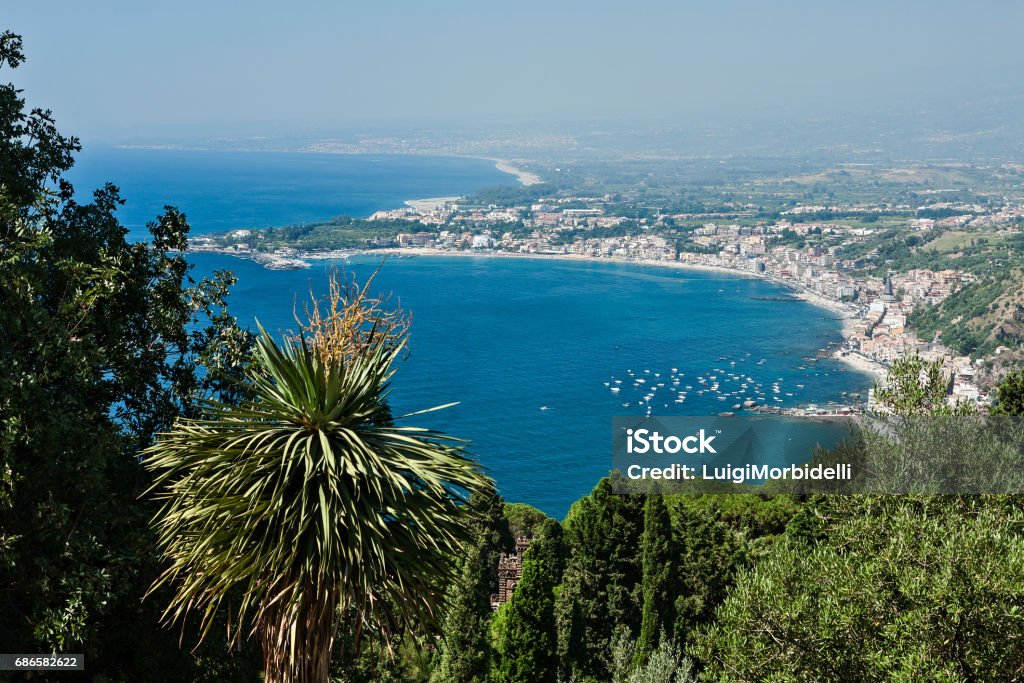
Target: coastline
(861, 363)
(847, 314)
(525, 178)
(429, 203)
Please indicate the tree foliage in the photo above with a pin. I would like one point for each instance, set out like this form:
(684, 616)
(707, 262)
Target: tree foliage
(311, 500)
(915, 387)
(528, 638)
(900, 589)
(101, 343)
(658, 566)
(602, 583)
(1010, 395)
(524, 520)
(708, 557)
(665, 664)
(464, 653)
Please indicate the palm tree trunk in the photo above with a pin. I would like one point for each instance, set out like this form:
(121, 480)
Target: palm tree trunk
(297, 644)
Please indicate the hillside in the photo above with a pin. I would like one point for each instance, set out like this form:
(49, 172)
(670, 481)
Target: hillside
(979, 317)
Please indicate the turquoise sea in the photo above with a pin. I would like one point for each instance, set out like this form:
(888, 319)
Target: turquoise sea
(532, 349)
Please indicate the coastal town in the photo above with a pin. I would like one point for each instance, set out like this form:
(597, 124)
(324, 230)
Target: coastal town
(826, 269)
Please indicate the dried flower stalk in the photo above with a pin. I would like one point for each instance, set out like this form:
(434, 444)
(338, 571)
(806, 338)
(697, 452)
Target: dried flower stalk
(351, 321)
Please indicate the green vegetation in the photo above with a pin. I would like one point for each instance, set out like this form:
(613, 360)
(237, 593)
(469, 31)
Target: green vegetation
(301, 523)
(528, 637)
(464, 652)
(338, 233)
(1010, 395)
(523, 520)
(666, 664)
(657, 619)
(601, 586)
(979, 317)
(307, 541)
(914, 387)
(514, 195)
(900, 589)
(103, 343)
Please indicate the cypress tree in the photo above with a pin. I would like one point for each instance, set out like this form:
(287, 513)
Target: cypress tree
(657, 564)
(601, 587)
(708, 557)
(529, 640)
(550, 546)
(464, 651)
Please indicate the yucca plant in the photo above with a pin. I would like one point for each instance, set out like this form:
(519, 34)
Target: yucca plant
(310, 503)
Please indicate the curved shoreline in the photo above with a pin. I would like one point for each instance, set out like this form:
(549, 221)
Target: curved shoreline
(525, 178)
(847, 314)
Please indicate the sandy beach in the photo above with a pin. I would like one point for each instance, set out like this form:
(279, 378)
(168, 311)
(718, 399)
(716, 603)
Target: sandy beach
(846, 313)
(525, 177)
(861, 364)
(429, 203)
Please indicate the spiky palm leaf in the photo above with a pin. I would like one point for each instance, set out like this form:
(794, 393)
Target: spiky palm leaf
(313, 502)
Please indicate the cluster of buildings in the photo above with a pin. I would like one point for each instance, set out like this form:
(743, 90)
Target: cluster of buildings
(875, 308)
(828, 266)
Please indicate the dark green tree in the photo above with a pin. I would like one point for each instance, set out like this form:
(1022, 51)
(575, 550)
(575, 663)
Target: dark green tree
(1010, 395)
(601, 585)
(549, 545)
(100, 343)
(464, 651)
(523, 519)
(707, 557)
(529, 639)
(658, 564)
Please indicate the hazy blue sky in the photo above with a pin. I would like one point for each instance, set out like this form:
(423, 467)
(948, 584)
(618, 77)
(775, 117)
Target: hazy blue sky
(117, 69)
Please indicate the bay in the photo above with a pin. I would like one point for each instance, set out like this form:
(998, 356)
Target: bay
(531, 349)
